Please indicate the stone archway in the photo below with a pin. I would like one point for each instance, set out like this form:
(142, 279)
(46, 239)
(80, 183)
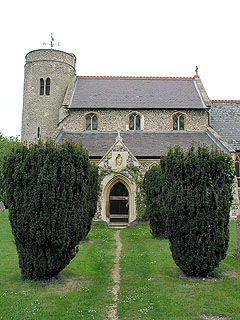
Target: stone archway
(122, 191)
(118, 203)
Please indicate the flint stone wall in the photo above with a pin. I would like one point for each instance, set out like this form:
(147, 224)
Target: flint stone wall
(151, 120)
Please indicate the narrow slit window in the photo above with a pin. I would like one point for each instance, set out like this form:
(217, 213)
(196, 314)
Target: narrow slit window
(41, 87)
(48, 86)
(38, 132)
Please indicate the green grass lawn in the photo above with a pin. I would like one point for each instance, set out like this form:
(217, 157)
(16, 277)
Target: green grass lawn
(151, 287)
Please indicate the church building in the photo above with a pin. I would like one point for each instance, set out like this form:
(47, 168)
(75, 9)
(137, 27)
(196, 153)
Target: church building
(125, 123)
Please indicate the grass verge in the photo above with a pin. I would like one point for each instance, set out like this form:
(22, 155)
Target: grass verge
(153, 287)
(81, 292)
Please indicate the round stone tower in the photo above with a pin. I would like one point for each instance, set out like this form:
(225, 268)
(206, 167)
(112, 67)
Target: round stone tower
(48, 73)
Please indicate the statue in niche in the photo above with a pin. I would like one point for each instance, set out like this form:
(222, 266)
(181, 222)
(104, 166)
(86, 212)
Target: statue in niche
(119, 160)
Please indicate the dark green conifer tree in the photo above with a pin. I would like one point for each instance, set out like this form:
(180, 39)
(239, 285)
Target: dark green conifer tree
(199, 200)
(153, 185)
(48, 188)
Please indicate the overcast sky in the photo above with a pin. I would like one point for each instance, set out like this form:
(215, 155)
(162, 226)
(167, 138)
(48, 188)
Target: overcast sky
(122, 38)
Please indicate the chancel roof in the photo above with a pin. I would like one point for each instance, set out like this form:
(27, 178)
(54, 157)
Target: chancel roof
(225, 120)
(145, 144)
(136, 93)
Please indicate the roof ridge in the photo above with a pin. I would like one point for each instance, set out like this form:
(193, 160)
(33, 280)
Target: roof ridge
(135, 78)
(225, 101)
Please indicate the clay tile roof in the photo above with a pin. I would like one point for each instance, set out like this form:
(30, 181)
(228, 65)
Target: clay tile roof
(135, 78)
(225, 101)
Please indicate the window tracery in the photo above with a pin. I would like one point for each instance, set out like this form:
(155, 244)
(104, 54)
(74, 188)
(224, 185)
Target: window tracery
(134, 122)
(91, 122)
(178, 122)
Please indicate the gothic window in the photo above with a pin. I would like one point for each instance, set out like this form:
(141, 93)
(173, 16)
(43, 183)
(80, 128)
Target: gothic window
(237, 171)
(178, 122)
(48, 86)
(91, 122)
(134, 122)
(41, 87)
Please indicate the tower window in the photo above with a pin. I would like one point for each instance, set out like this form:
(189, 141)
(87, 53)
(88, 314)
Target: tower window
(41, 87)
(48, 86)
(135, 122)
(91, 122)
(38, 132)
(178, 122)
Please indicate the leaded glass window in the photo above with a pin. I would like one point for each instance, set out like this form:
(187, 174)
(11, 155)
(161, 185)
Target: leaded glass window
(175, 123)
(91, 122)
(135, 122)
(181, 123)
(138, 122)
(131, 123)
(88, 123)
(178, 122)
(94, 123)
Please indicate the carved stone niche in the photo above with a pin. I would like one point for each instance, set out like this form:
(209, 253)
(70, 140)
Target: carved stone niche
(118, 160)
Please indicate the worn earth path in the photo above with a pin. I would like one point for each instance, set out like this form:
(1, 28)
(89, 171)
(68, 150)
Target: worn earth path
(112, 315)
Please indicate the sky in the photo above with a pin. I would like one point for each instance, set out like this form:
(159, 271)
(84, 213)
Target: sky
(122, 38)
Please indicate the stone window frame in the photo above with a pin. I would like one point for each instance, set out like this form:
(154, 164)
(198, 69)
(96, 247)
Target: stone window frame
(41, 87)
(92, 114)
(45, 86)
(135, 114)
(179, 115)
(48, 86)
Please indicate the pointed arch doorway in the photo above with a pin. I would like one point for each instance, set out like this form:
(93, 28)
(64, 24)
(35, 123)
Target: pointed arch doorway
(119, 204)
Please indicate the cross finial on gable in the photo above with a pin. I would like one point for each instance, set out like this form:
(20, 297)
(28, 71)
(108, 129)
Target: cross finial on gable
(118, 138)
(196, 70)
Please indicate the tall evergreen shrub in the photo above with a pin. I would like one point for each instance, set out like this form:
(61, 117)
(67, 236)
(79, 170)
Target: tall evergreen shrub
(154, 188)
(48, 190)
(198, 201)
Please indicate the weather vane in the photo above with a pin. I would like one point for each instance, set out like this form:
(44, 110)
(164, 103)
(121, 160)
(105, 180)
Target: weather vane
(51, 42)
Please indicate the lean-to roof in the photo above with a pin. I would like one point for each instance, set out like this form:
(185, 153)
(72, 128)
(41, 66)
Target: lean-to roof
(142, 144)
